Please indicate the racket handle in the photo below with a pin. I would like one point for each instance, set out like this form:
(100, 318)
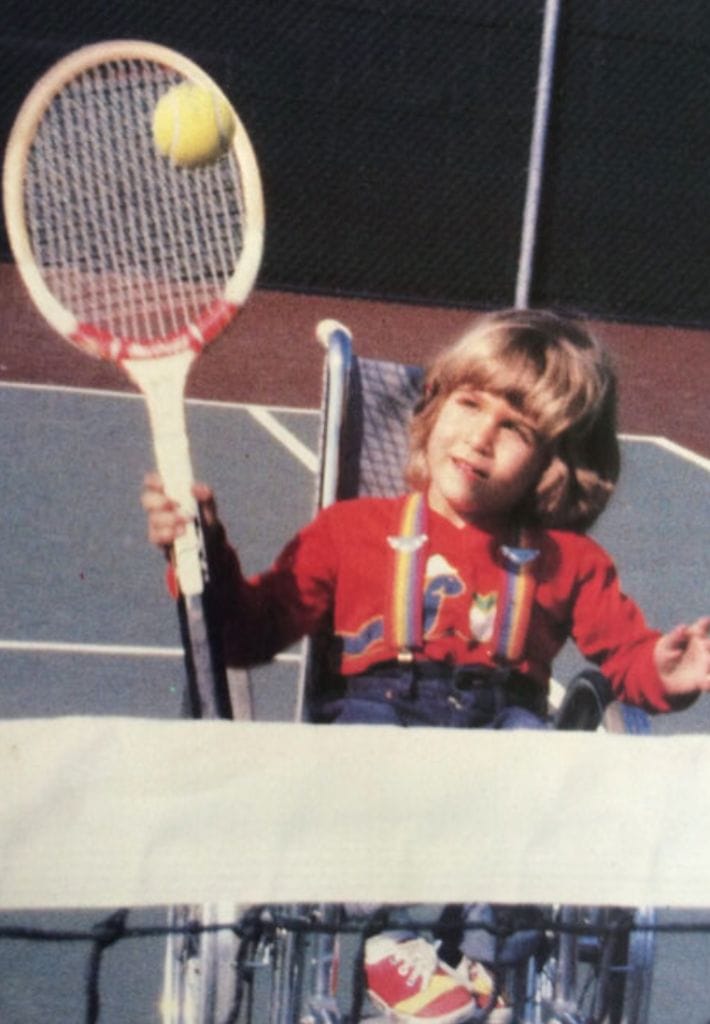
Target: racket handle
(208, 691)
(162, 382)
(189, 565)
(174, 466)
(172, 456)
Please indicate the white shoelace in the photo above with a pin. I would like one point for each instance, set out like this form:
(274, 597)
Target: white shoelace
(416, 960)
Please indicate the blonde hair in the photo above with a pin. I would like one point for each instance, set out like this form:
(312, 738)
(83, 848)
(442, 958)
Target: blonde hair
(557, 375)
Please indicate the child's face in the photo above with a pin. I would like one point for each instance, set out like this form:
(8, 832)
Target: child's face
(483, 457)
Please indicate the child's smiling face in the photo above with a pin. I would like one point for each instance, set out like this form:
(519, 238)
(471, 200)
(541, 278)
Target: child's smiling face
(483, 456)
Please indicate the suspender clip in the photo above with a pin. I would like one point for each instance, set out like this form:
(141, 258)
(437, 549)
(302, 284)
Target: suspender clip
(405, 658)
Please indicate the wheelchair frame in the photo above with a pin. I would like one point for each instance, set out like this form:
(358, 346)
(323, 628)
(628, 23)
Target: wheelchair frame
(596, 963)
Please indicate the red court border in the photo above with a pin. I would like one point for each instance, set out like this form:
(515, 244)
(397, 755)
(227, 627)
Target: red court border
(269, 356)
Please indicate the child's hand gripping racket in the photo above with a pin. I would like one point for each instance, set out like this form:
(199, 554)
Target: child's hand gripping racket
(134, 211)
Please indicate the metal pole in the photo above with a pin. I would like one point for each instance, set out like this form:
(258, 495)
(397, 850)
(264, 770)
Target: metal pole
(536, 163)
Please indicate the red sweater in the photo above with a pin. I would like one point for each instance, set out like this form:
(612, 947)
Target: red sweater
(335, 575)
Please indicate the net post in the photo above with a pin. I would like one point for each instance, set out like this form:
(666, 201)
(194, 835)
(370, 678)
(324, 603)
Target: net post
(536, 162)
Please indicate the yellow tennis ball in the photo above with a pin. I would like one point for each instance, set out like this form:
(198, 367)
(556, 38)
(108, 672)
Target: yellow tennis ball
(192, 125)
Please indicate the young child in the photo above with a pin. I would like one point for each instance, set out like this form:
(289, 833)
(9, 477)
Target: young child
(446, 606)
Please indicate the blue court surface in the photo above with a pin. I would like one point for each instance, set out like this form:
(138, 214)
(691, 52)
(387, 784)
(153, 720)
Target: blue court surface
(86, 626)
(84, 612)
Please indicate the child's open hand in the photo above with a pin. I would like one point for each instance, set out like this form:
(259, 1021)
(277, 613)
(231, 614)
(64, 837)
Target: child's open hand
(683, 657)
(165, 520)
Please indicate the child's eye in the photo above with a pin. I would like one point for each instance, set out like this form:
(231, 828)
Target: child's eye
(522, 430)
(468, 401)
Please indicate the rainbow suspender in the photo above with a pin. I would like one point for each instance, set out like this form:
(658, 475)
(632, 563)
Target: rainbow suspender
(408, 579)
(515, 600)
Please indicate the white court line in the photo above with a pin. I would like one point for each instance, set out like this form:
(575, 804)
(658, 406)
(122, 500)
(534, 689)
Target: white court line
(670, 446)
(262, 414)
(280, 433)
(557, 690)
(661, 442)
(125, 651)
(136, 397)
(108, 650)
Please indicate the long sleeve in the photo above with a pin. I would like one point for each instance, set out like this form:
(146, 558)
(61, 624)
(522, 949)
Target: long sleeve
(263, 614)
(610, 630)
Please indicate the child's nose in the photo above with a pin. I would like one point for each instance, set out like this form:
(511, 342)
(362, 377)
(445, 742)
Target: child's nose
(483, 436)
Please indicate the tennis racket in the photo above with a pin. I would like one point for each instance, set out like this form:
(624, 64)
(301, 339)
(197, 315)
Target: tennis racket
(136, 260)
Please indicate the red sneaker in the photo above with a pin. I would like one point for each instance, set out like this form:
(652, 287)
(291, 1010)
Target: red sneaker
(406, 979)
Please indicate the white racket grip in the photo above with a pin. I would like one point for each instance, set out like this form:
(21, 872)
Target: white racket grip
(162, 382)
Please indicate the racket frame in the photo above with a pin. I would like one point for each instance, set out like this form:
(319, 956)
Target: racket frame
(19, 143)
(161, 378)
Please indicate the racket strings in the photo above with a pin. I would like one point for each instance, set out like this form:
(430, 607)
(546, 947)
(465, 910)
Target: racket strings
(133, 245)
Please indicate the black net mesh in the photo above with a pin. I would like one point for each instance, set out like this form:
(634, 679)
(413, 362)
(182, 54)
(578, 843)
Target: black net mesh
(393, 139)
(624, 226)
(275, 959)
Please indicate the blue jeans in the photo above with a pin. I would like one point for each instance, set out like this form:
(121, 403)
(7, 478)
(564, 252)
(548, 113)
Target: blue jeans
(462, 698)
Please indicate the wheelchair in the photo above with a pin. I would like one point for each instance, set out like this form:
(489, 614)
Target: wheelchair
(282, 964)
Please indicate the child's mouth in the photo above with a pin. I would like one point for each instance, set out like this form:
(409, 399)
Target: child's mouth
(471, 471)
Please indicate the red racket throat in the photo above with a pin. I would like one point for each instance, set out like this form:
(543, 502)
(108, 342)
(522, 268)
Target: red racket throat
(205, 328)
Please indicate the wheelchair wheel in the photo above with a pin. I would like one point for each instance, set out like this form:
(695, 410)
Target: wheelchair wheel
(289, 966)
(596, 970)
(269, 968)
(633, 972)
(594, 966)
(199, 980)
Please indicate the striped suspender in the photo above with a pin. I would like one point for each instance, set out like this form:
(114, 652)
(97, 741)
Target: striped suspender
(515, 600)
(410, 551)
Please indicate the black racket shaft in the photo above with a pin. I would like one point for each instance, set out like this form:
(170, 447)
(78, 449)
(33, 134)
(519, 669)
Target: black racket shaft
(207, 694)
